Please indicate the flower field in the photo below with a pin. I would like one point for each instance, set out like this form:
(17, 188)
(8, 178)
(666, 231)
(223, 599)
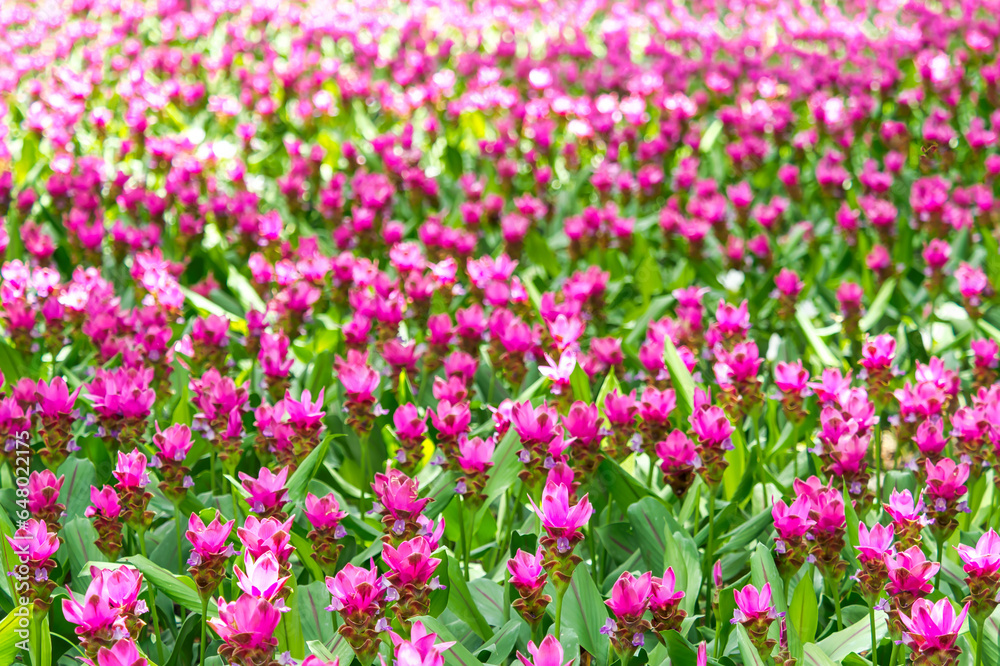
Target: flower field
(537, 332)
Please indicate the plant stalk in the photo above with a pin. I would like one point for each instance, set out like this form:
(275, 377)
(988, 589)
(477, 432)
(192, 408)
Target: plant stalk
(141, 535)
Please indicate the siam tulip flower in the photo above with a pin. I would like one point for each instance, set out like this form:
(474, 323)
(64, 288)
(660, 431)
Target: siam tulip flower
(132, 480)
(982, 564)
(120, 588)
(873, 546)
(122, 400)
(755, 612)
(528, 577)
(986, 359)
(655, 407)
(877, 355)
(106, 511)
(830, 522)
(973, 285)
(324, 515)
(678, 461)
(630, 598)
(794, 525)
(268, 534)
(732, 322)
(548, 653)
(620, 409)
(122, 653)
(305, 418)
(360, 382)
(267, 494)
(246, 627)
(313, 660)
(931, 442)
(830, 386)
(664, 602)
(788, 286)
(209, 552)
(945, 486)
(849, 296)
(712, 429)
(97, 624)
(793, 381)
(583, 424)
(419, 649)
(910, 577)
(562, 524)
(411, 574)
(399, 503)
(847, 463)
(452, 421)
(229, 442)
(474, 460)
(43, 498)
(56, 414)
(261, 578)
(931, 630)
(736, 374)
(173, 445)
(908, 518)
(34, 547)
(411, 431)
(359, 596)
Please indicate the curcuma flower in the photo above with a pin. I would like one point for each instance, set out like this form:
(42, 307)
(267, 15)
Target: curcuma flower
(209, 552)
(982, 564)
(411, 569)
(34, 546)
(132, 480)
(528, 577)
(173, 445)
(56, 413)
(267, 494)
(399, 503)
(793, 525)
(420, 649)
(630, 598)
(43, 498)
(261, 578)
(246, 627)
(664, 602)
(873, 546)
(931, 630)
(562, 524)
(359, 596)
(106, 511)
(122, 653)
(945, 486)
(678, 461)
(548, 653)
(907, 518)
(324, 514)
(755, 612)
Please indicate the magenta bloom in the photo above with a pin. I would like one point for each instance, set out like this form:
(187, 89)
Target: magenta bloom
(173, 444)
(43, 496)
(266, 494)
(983, 559)
(420, 649)
(261, 578)
(875, 544)
(267, 534)
(475, 454)
(946, 480)
(791, 377)
(630, 596)
(526, 572)
(711, 426)
(910, 572)
(247, 628)
(411, 562)
(324, 513)
(932, 626)
(122, 653)
(664, 592)
(548, 653)
(753, 604)
(356, 591)
(208, 541)
(35, 545)
(561, 521)
(131, 470)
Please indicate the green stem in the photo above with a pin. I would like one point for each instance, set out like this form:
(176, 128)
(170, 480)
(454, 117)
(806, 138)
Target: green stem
(895, 654)
(141, 535)
(236, 503)
(204, 625)
(464, 546)
(364, 472)
(559, 604)
(980, 639)
(35, 633)
(835, 589)
(710, 549)
(940, 553)
(180, 538)
(871, 621)
(878, 461)
(212, 471)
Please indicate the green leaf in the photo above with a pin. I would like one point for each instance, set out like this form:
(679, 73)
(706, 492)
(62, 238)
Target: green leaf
(300, 478)
(764, 571)
(10, 642)
(488, 597)
(461, 603)
(681, 379)
(803, 614)
(502, 643)
(585, 612)
(179, 588)
(814, 656)
(877, 309)
(289, 631)
(580, 383)
(855, 638)
(81, 538)
(823, 352)
(681, 553)
(316, 620)
(648, 519)
(75, 493)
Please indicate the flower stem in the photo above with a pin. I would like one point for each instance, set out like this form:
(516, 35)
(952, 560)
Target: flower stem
(980, 639)
(204, 625)
(878, 461)
(710, 548)
(559, 604)
(835, 592)
(895, 653)
(212, 471)
(180, 538)
(871, 622)
(940, 553)
(465, 543)
(364, 472)
(141, 534)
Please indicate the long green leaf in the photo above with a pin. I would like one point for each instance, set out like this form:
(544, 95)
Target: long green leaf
(179, 588)
(585, 612)
(457, 654)
(461, 603)
(855, 638)
(681, 379)
(823, 352)
(299, 480)
(803, 613)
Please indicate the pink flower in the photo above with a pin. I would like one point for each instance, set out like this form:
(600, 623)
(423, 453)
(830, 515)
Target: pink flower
(549, 653)
(208, 541)
(173, 443)
(946, 480)
(35, 545)
(356, 591)
(122, 653)
(910, 572)
(711, 426)
(793, 522)
(267, 494)
(791, 377)
(267, 534)
(663, 592)
(398, 494)
(43, 495)
(875, 544)
(630, 596)
(753, 604)
(526, 571)
(878, 353)
(475, 454)
(131, 470)
(932, 626)
(420, 649)
(983, 560)
(246, 626)
(561, 521)
(324, 513)
(262, 578)
(411, 562)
